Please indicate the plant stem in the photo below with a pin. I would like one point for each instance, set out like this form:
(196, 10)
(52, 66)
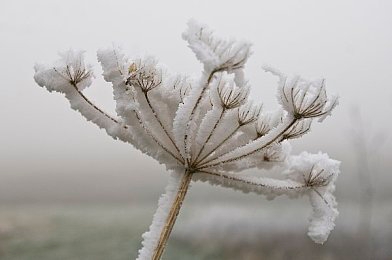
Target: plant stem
(171, 218)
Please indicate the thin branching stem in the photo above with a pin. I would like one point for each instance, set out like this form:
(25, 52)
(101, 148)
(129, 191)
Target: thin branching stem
(160, 121)
(249, 182)
(253, 151)
(191, 117)
(155, 138)
(125, 126)
(97, 108)
(217, 147)
(210, 135)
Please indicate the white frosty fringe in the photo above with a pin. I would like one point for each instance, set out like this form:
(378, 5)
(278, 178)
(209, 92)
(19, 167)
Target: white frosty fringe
(115, 66)
(151, 237)
(322, 220)
(213, 52)
(224, 130)
(269, 187)
(185, 118)
(299, 96)
(209, 122)
(272, 156)
(216, 55)
(253, 146)
(52, 80)
(320, 173)
(310, 174)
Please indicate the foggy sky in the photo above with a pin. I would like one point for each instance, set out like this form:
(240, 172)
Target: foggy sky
(45, 146)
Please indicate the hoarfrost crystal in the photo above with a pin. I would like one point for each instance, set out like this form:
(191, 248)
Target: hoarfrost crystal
(206, 129)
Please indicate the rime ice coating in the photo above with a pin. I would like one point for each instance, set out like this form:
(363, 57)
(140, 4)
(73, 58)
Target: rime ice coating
(151, 237)
(208, 127)
(69, 76)
(318, 173)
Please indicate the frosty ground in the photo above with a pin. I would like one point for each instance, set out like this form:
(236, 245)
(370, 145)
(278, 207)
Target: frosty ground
(248, 231)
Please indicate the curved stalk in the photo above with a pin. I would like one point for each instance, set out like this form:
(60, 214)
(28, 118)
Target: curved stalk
(95, 107)
(125, 126)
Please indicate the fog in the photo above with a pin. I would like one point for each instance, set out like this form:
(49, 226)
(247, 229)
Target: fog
(50, 154)
(43, 142)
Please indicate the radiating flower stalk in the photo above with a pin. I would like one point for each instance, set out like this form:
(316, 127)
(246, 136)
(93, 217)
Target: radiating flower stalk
(207, 129)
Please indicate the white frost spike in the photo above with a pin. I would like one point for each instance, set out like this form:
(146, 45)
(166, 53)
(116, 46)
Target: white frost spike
(332, 102)
(322, 220)
(205, 128)
(216, 54)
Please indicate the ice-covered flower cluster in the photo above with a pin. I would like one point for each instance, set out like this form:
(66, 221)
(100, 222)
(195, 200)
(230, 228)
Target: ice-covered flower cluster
(207, 128)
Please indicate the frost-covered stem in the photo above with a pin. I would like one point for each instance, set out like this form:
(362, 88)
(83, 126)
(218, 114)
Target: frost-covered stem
(148, 132)
(209, 136)
(250, 182)
(160, 122)
(191, 117)
(266, 143)
(172, 216)
(218, 146)
(95, 107)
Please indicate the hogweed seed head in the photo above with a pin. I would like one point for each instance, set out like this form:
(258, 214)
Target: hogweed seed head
(206, 129)
(304, 99)
(144, 74)
(248, 113)
(230, 95)
(299, 129)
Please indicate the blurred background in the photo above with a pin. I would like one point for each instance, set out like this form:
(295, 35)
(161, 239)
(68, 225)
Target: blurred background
(68, 191)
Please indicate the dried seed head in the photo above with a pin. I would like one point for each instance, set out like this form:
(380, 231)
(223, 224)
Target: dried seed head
(305, 99)
(274, 153)
(74, 70)
(144, 74)
(299, 129)
(132, 68)
(230, 95)
(219, 54)
(262, 126)
(248, 113)
(317, 177)
(182, 86)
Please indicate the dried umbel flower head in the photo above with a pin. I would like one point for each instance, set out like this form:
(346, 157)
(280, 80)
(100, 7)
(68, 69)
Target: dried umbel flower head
(206, 129)
(144, 74)
(306, 99)
(69, 70)
(230, 95)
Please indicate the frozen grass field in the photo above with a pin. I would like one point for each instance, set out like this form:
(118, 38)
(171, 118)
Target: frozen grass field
(203, 232)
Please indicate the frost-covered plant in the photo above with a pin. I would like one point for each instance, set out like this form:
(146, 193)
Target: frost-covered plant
(207, 129)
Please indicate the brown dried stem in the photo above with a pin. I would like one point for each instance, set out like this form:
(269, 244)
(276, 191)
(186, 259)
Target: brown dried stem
(171, 219)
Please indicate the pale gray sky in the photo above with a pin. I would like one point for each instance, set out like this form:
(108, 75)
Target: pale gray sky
(41, 138)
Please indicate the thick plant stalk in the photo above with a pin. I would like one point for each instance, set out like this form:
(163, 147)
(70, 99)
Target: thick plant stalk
(171, 219)
(170, 203)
